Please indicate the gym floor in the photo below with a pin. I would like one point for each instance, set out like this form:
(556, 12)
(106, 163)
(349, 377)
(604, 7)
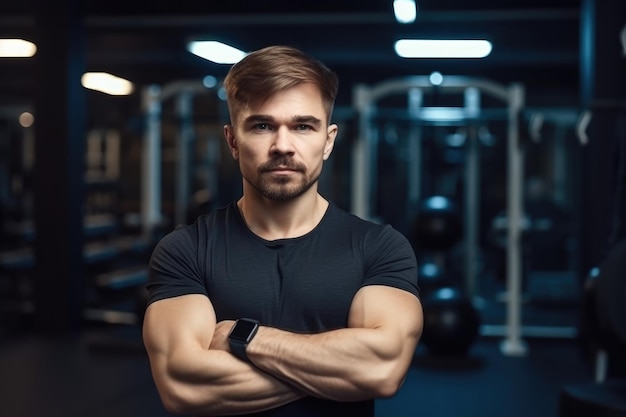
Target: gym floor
(104, 372)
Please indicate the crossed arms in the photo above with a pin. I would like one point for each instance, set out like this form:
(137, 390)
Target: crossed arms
(195, 373)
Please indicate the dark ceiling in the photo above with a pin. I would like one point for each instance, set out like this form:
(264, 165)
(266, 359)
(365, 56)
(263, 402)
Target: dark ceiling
(535, 42)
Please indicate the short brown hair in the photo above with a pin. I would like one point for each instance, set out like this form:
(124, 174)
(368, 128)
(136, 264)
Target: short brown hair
(267, 71)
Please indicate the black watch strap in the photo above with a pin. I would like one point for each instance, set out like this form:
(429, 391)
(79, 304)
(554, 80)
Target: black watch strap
(238, 349)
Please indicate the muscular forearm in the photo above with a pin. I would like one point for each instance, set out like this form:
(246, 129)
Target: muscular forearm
(213, 382)
(346, 365)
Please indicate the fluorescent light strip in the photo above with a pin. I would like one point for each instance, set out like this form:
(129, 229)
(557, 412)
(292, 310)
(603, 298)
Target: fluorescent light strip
(17, 48)
(107, 83)
(431, 48)
(405, 11)
(100, 81)
(215, 51)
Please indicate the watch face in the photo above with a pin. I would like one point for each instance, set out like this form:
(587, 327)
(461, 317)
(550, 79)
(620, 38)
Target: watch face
(244, 330)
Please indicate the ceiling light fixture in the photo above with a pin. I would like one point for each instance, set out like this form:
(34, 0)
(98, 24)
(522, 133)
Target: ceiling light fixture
(431, 48)
(17, 48)
(405, 10)
(107, 83)
(215, 51)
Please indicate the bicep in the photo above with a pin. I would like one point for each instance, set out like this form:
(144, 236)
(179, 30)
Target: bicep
(186, 322)
(395, 312)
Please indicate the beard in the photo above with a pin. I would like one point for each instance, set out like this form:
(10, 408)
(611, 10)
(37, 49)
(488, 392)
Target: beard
(281, 188)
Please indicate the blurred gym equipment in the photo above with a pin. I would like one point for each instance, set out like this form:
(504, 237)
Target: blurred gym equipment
(451, 322)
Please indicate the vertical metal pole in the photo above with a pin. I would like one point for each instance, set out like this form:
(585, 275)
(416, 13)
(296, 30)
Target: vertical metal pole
(151, 162)
(414, 168)
(184, 162)
(112, 154)
(472, 192)
(361, 169)
(513, 345)
(93, 159)
(601, 366)
(28, 161)
(372, 163)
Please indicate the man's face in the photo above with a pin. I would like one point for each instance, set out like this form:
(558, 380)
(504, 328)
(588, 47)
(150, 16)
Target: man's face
(281, 143)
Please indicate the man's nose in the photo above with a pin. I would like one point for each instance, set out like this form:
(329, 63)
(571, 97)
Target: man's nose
(283, 140)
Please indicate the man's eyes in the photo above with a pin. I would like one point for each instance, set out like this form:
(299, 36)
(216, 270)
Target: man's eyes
(266, 126)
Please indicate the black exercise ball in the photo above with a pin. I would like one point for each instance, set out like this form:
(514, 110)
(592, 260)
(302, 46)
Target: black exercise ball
(603, 317)
(437, 225)
(451, 322)
(431, 277)
(611, 299)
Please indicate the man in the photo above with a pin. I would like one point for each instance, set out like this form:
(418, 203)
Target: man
(281, 304)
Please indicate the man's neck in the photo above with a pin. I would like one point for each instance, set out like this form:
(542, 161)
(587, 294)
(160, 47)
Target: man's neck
(272, 220)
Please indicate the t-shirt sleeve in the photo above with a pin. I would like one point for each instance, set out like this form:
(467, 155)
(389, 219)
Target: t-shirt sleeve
(392, 261)
(173, 269)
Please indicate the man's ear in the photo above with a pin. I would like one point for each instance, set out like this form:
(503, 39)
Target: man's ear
(229, 134)
(330, 140)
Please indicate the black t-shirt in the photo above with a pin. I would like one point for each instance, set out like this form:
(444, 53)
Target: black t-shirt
(304, 284)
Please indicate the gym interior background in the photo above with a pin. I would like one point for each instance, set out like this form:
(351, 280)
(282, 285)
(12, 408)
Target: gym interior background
(508, 174)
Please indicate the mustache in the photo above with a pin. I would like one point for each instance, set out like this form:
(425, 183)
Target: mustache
(281, 162)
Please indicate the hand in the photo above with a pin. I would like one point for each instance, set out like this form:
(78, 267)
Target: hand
(220, 336)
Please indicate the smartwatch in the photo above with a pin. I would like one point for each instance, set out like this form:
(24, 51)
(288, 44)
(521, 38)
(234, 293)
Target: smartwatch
(240, 335)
